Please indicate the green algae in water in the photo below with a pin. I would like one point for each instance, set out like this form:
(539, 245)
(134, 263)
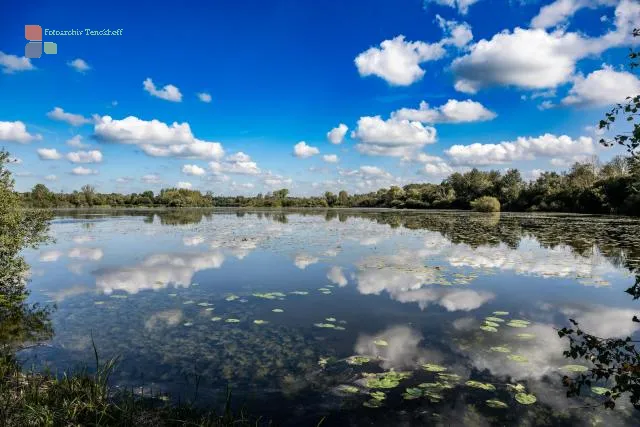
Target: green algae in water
(490, 323)
(487, 328)
(501, 313)
(494, 319)
(330, 319)
(574, 368)
(498, 404)
(518, 358)
(432, 367)
(324, 325)
(481, 385)
(600, 390)
(216, 319)
(525, 399)
(381, 343)
(501, 349)
(358, 360)
(260, 322)
(278, 310)
(232, 320)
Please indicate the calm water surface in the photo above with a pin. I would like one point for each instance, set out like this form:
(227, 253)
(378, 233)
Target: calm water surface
(276, 305)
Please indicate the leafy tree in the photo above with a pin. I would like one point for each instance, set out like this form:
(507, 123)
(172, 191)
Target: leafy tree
(486, 204)
(330, 198)
(41, 197)
(343, 198)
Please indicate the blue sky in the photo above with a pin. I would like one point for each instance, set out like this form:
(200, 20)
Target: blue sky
(502, 84)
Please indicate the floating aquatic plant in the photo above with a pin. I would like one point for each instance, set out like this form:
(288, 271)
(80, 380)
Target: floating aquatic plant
(278, 310)
(324, 289)
(232, 320)
(448, 377)
(216, 319)
(188, 324)
(490, 323)
(299, 293)
(518, 388)
(98, 302)
(574, 368)
(260, 322)
(525, 399)
(488, 328)
(517, 324)
(494, 403)
(346, 388)
(494, 319)
(330, 319)
(232, 297)
(526, 336)
(209, 309)
(501, 313)
(412, 393)
(501, 349)
(381, 343)
(340, 328)
(481, 385)
(358, 360)
(378, 395)
(325, 325)
(372, 403)
(518, 358)
(432, 367)
(390, 379)
(600, 390)
(203, 304)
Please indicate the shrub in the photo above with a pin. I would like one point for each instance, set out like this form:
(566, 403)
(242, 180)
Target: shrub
(486, 204)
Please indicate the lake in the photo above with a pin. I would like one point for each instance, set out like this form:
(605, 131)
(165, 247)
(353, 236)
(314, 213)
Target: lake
(365, 317)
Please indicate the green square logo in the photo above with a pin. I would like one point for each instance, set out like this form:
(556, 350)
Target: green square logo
(50, 48)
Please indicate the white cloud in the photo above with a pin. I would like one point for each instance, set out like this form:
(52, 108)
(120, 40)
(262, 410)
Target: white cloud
(193, 170)
(90, 254)
(51, 178)
(603, 87)
(11, 63)
(275, 180)
(303, 151)
(336, 275)
(157, 138)
(560, 11)
(461, 5)
(537, 59)
(453, 111)
(204, 97)
(330, 158)
(80, 65)
(168, 92)
(80, 170)
(374, 171)
(437, 169)
(16, 132)
(76, 142)
(456, 34)
(398, 61)
(392, 137)
(184, 185)
(48, 154)
(546, 105)
(73, 119)
(151, 179)
(523, 148)
(93, 156)
(238, 163)
(336, 135)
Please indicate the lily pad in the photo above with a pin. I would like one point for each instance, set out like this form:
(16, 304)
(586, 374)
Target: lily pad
(299, 293)
(517, 324)
(498, 404)
(432, 367)
(390, 379)
(216, 319)
(260, 322)
(526, 336)
(516, 387)
(340, 328)
(490, 323)
(448, 377)
(525, 399)
(372, 403)
(487, 328)
(324, 325)
(501, 313)
(348, 389)
(358, 360)
(518, 358)
(232, 297)
(501, 349)
(188, 324)
(278, 310)
(330, 319)
(481, 385)
(209, 309)
(494, 319)
(232, 320)
(378, 395)
(574, 368)
(600, 390)
(381, 343)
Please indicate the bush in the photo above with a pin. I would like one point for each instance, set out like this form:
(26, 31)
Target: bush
(486, 204)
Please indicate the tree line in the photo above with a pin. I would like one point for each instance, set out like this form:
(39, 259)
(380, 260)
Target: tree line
(588, 187)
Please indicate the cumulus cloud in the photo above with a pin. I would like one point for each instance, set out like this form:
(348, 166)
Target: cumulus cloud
(537, 59)
(330, 158)
(168, 92)
(80, 65)
(16, 132)
(453, 111)
(204, 97)
(523, 148)
(194, 170)
(431, 165)
(337, 134)
(183, 185)
(12, 63)
(76, 142)
(80, 170)
(93, 156)
(461, 5)
(398, 61)
(151, 179)
(392, 137)
(73, 119)
(602, 87)
(456, 33)
(274, 180)
(48, 154)
(560, 10)
(302, 150)
(156, 138)
(238, 163)
(336, 275)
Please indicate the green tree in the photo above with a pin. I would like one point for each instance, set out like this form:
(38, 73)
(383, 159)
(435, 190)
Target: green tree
(281, 194)
(41, 197)
(330, 198)
(343, 198)
(88, 192)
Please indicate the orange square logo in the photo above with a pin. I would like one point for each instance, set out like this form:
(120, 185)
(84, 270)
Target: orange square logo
(33, 32)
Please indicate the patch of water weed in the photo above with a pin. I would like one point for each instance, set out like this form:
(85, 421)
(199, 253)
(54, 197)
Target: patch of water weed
(480, 385)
